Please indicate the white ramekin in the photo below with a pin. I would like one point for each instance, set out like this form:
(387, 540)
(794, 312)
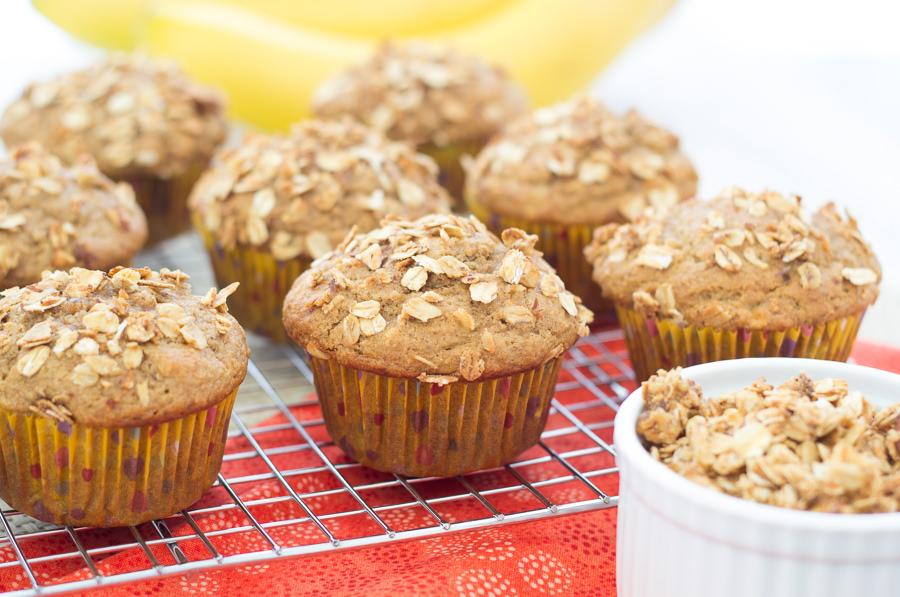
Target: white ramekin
(677, 538)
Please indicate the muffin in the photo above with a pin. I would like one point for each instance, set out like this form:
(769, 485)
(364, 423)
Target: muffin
(435, 346)
(563, 170)
(143, 121)
(56, 217)
(741, 275)
(447, 103)
(268, 207)
(115, 396)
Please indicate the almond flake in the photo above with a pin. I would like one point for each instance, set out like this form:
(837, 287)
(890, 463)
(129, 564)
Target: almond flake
(567, 300)
(414, 278)
(366, 309)
(31, 362)
(39, 333)
(193, 335)
(103, 365)
(512, 266)
(810, 276)
(373, 325)
(222, 295)
(483, 292)
(728, 259)
(84, 376)
(453, 267)
(420, 309)
(464, 318)
(371, 257)
(513, 314)
(859, 276)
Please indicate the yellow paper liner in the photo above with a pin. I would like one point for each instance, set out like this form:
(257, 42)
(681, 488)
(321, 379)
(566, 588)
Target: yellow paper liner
(265, 281)
(422, 429)
(164, 201)
(655, 344)
(72, 474)
(563, 248)
(451, 173)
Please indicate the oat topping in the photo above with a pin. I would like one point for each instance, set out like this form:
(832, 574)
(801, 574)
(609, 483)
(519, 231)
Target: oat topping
(299, 194)
(103, 328)
(133, 114)
(465, 299)
(423, 93)
(576, 162)
(807, 444)
(749, 260)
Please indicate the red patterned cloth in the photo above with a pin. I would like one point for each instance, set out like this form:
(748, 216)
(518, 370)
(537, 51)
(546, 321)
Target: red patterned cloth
(561, 555)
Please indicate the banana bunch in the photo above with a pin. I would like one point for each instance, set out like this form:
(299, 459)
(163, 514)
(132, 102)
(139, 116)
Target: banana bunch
(269, 55)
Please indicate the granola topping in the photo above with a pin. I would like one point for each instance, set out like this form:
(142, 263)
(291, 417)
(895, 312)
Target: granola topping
(806, 444)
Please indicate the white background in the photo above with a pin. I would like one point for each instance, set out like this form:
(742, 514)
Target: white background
(798, 96)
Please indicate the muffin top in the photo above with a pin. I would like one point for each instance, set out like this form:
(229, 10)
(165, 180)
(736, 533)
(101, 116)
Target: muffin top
(742, 260)
(299, 195)
(440, 299)
(131, 347)
(423, 94)
(576, 163)
(55, 217)
(134, 115)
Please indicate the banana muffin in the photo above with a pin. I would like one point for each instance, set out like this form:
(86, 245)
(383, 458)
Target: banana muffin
(116, 394)
(143, 121)
(445, 102)
(267, 208)
(56, 217)
(435, 346)
(741, 275)
(565, 169)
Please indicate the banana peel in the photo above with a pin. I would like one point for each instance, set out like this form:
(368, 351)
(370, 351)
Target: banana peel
(268, 59)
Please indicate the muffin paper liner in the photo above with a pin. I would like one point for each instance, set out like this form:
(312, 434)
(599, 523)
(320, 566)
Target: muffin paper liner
(264, 282)
(164, 201)
(73, 474)
(451, 173)
(424, 429)
(563, 248)
(655, 344)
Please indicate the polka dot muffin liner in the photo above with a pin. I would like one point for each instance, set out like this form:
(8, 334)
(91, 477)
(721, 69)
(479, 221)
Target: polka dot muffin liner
(164, 201)
(655, 344)
(563, 248)
(264, 283)
(451, 173)
(73, 474)
(422, 429)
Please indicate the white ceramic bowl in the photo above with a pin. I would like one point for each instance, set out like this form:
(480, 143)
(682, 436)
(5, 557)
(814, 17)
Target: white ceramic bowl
(677, 538)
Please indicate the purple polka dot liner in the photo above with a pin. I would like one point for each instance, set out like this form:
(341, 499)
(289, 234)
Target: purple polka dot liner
(655, 344)
(423, 429)
(73, 474)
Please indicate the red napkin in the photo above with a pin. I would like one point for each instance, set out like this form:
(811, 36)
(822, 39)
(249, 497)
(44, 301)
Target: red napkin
(559, 555)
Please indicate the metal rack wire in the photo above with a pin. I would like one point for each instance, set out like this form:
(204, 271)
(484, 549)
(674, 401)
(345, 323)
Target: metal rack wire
(286, 491)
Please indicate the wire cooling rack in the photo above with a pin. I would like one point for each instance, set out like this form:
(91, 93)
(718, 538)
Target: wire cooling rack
(286, 491)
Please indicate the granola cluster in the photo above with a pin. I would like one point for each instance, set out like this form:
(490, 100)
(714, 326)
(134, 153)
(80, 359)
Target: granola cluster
(806, 445)
(423, 94)
(299, 194)
(575, 162)
(740, 260)
(133, 114)
(102, 348)
(439, 298)
(55, 217)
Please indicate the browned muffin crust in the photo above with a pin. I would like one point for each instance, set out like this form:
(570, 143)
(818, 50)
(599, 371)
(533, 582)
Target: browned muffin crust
(128, 347)
(55, 217)
(742, 260)
(134, 115)
(440, 299)
(575, 163)
(300, 194)
(423, 94)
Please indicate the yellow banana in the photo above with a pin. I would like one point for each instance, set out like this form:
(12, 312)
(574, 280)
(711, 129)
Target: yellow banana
(106, 23)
